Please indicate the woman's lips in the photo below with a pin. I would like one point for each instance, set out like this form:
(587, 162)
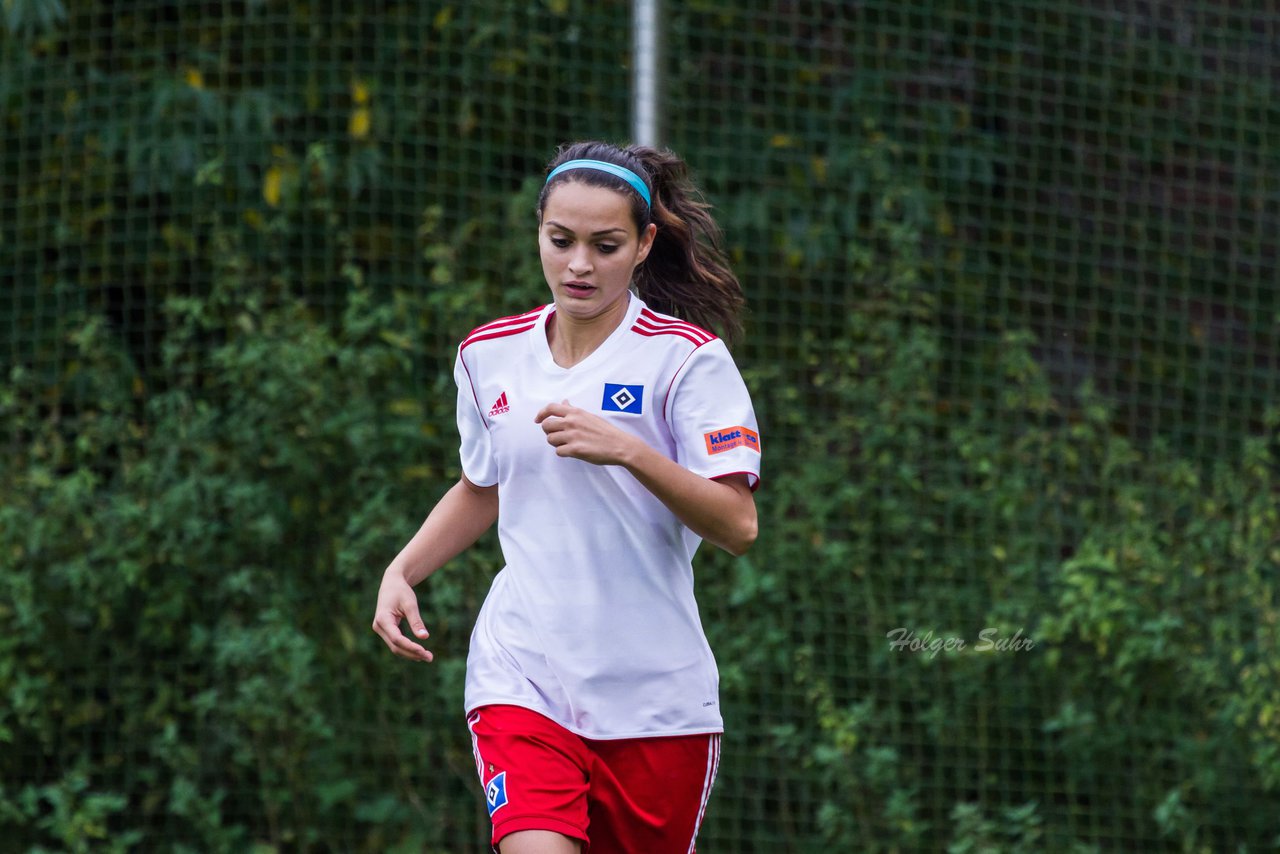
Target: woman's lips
(579, 288)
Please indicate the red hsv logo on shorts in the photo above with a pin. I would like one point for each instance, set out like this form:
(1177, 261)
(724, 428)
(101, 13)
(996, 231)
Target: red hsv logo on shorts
(728, 438)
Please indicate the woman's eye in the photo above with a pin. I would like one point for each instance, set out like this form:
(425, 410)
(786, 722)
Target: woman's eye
(607, 248)
(560, 242)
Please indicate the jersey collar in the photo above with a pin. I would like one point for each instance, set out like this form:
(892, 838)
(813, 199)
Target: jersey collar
(542, 350)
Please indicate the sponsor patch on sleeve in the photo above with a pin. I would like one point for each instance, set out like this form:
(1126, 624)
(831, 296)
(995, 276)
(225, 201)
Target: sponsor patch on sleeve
(728, 438)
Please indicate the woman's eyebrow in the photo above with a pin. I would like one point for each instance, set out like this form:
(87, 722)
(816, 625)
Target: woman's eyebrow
(593, 234)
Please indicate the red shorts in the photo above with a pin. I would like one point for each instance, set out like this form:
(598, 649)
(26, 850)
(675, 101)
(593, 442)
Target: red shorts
(617, 796)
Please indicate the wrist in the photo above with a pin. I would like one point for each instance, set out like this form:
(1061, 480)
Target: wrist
(397, 571)
(633, 453)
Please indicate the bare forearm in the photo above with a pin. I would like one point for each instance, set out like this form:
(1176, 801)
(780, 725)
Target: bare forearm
(461, 516)
(722, 512)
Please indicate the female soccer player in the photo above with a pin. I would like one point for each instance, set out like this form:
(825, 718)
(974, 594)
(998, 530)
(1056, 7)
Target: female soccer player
(607, 437)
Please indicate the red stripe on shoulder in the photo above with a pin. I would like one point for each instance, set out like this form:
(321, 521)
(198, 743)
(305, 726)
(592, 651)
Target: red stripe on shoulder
(507, 321)
(660, 322)
(677, 332)
(650, 323)
(666, 319)
(503, 326)
(495, 333)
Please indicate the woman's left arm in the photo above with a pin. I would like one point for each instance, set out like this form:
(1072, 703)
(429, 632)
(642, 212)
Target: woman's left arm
(721, 511)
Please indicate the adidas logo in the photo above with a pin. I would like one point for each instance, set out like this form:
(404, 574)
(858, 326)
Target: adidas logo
(500, 406)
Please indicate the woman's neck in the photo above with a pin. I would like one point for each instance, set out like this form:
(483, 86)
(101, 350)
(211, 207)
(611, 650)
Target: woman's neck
(573, 339)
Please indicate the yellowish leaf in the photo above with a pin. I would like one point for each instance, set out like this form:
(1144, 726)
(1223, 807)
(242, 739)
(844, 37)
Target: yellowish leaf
(405, 406)
(945, 225)
(347, 639)
(396, 339)
(271, 186)
(194, 78)
(358, 127)
(820, 169)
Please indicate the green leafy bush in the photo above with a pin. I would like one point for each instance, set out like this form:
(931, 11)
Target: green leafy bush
(192, 576)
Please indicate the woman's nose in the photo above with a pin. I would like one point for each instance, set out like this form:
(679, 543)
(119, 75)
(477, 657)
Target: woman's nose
(580, 261)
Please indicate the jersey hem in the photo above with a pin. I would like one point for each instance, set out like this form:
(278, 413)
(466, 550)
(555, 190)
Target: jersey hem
(475, 482)
(535, 821)
(505, 701)
(753, 479)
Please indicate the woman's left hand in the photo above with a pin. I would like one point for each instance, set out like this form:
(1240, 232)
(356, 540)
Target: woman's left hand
(576, 433)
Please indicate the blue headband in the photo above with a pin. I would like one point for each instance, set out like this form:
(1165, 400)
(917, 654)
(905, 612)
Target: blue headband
(601, 166)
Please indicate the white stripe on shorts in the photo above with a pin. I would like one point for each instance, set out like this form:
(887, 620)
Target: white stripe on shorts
(472, 720)
(708, 781)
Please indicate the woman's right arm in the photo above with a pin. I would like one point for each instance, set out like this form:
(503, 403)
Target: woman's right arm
(464, 513)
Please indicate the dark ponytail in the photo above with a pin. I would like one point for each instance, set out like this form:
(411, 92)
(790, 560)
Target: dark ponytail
(686, 273)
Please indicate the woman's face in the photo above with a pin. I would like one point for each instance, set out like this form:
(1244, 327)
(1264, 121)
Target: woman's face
(589, 247)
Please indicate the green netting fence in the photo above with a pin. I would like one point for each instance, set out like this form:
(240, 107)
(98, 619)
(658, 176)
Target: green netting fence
(1014, 342)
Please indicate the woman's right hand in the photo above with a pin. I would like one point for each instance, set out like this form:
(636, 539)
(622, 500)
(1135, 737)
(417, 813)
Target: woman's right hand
(397, 603)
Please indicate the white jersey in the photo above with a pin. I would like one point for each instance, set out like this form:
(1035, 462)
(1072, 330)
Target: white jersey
(592, 622)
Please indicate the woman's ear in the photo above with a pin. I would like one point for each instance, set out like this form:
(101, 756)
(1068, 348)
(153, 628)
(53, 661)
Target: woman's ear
(646, 242)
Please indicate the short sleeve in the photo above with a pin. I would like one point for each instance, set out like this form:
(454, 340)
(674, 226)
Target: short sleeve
(711, 417)
(476, 449)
